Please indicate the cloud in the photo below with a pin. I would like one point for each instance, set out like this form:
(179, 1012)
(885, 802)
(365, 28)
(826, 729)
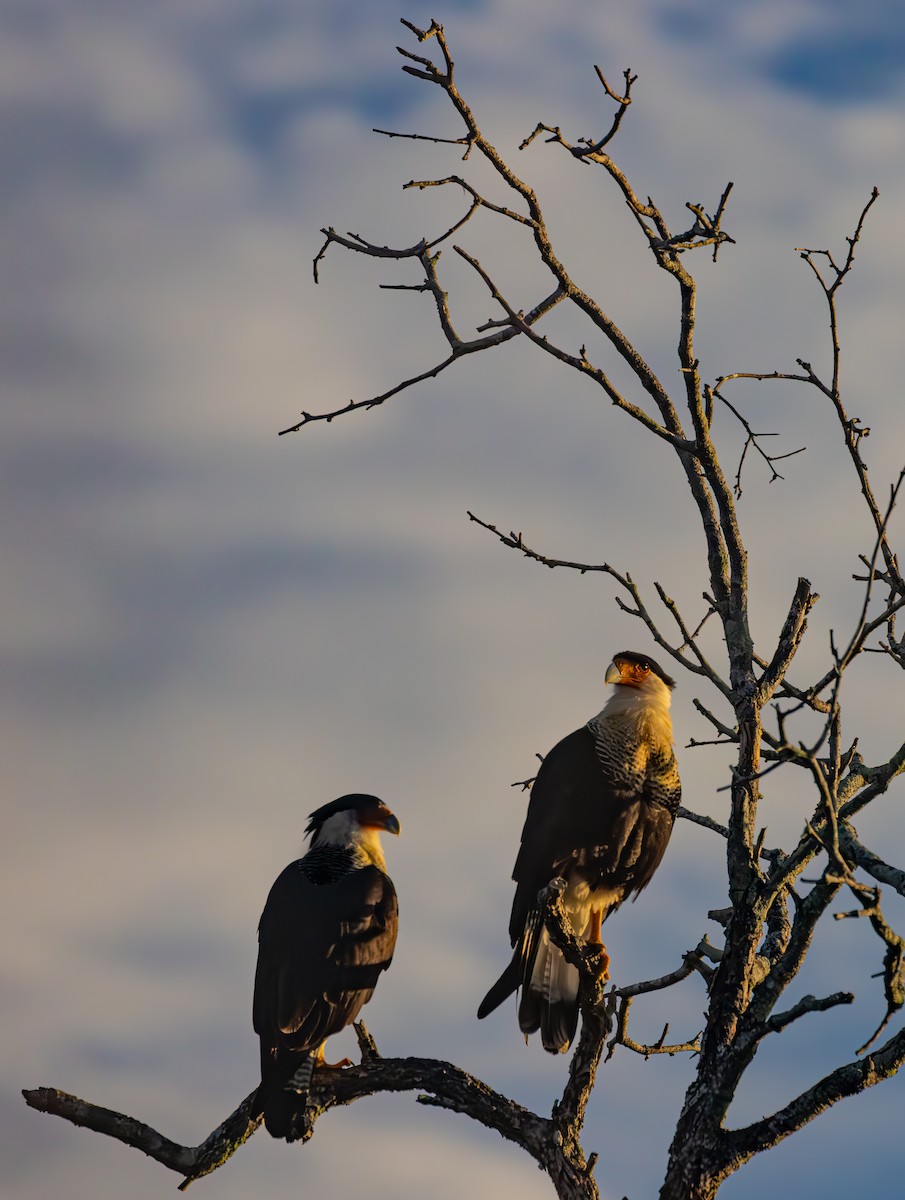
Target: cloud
(210, 630)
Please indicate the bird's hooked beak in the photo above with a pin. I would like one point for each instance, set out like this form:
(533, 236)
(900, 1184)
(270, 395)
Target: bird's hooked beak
(380, 817)
(391, 824)
(613, 674)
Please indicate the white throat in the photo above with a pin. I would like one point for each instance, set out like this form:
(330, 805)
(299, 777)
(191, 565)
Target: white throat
(343, 829)
(646, 708)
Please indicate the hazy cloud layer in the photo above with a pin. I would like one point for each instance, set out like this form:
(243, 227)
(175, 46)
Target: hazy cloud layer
(209, 631)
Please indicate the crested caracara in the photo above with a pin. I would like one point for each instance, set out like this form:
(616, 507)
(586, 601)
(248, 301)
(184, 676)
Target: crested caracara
(327, 931)
(601, 811)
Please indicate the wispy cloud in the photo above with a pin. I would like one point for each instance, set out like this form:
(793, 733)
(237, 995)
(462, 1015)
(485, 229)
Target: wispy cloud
(210, 631)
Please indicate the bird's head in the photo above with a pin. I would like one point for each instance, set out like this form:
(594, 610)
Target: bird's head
(355, 821)
(640, 684)
(629, 669)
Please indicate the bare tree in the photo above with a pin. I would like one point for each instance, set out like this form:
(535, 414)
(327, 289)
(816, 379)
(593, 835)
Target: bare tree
(768, 927)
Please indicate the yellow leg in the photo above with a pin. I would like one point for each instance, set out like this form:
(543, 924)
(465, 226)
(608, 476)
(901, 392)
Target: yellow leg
(604, 969)
(320, 1061)
(593, 940)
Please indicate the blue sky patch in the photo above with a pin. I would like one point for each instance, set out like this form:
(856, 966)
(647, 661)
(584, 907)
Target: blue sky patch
(846, 67)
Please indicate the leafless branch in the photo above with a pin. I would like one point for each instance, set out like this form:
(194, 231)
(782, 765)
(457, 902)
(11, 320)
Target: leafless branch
(702, 667)
(442, 1084)
(588, 146)
(845, 1081)
(808, 1004)
(864, 858)
(423, 137)
(621, 1038)
(893, 960)
(751, 442)
(190, 1161)
(459, 349)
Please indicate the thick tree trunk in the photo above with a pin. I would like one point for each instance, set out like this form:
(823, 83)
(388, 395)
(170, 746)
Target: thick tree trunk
(690, 1184)
(698, 1159)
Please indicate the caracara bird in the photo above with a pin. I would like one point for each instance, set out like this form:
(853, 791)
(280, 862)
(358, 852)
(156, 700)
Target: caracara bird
(601, 811)
(327, 931)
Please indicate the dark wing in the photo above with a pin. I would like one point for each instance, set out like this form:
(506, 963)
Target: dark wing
(636, 843)
(321, 950)
(578, 813)
(566, 811)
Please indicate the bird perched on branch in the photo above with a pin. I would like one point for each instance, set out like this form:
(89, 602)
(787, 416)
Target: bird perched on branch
(327, 932)
(601, 812)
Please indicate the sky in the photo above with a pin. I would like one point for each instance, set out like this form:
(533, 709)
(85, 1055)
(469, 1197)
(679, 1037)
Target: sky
(209, 631)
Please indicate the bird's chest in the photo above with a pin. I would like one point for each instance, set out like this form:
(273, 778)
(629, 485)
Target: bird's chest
(624, 758)
(635, 763)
